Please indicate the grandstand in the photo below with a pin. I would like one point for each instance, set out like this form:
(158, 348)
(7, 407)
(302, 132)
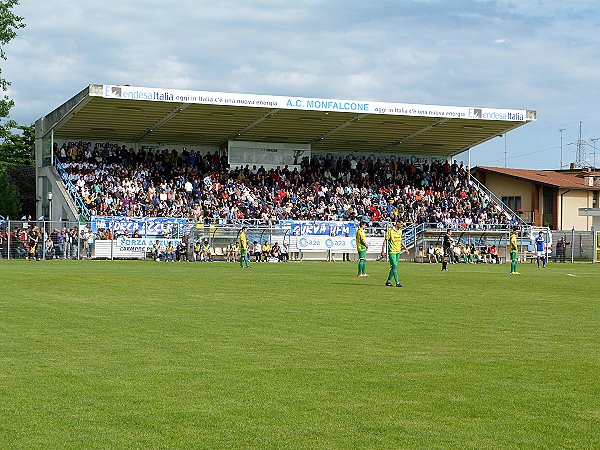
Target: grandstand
(221, 157)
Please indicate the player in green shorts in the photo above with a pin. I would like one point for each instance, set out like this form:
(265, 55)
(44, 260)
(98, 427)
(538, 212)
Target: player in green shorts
(393, 241)
(362, 247)
(243, 243)
(513, 249)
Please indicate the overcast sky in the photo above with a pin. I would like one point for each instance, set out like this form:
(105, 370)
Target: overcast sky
(522, 54)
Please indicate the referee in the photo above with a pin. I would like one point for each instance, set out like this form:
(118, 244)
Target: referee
(447, 245)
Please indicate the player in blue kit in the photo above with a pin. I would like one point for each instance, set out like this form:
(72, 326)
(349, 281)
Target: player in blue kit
(540, 248)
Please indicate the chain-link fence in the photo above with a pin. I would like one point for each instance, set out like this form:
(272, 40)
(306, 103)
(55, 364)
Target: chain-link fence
(192, 240)
(22, 239)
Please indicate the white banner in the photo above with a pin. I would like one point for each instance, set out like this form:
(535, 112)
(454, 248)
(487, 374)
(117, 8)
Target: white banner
(309, 104)
(144, 244)
(130, 248)
(320, 243)
(268, 155)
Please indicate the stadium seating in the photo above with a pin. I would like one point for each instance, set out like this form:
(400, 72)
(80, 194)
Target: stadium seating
(114, 181)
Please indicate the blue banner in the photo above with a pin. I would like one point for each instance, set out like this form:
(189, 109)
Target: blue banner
(319, 227)
(157, 226)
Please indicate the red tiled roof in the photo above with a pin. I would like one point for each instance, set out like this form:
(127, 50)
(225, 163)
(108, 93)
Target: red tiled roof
(570, 180)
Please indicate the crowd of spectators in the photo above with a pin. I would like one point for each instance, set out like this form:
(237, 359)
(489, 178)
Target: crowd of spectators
(52, 243)
(116, 181)
(465, 253)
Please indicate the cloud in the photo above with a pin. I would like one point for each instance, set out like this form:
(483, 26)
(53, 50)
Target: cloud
(498, 53)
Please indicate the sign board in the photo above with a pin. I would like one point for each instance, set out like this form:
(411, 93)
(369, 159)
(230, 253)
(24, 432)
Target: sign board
(308, 103)
(319, 227)
(324, 243)
(268, 155)
(145, 226)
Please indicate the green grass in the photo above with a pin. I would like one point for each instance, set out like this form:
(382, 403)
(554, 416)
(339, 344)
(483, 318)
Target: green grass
(134, 354)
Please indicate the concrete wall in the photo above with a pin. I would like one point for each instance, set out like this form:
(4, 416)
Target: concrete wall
(569, 202)
(502, 186)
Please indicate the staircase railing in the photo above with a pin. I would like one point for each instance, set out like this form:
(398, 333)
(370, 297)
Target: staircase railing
(72, 190)
(478, 185)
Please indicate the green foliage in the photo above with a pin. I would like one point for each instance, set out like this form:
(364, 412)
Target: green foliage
(16, 161)
(23, 177)
(18, 148)
(9, 24)
(10, 203)
(128, 354)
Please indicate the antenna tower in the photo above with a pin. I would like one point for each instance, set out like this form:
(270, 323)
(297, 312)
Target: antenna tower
(580, 161)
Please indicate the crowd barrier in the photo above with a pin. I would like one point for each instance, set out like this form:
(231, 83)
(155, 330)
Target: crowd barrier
(124, 238)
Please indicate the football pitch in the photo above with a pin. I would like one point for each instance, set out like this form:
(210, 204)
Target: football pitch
(139, 354)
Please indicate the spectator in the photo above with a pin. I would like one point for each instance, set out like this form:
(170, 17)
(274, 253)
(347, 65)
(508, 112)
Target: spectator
(257, 251)
(181, 252)
(206, 255)
(48, 248)
(431, 254)
(276, 251)
(170, 252)
(197, 251)
(561, 249)
(494, 257)
(284, 257)
(266, 251)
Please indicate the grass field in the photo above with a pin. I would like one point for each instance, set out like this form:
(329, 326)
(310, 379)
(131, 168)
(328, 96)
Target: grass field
(134, 354)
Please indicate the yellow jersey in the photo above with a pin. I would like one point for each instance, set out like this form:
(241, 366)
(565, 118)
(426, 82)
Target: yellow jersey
(394, 240)
(243, 241)
(513, 243)
(361, 240)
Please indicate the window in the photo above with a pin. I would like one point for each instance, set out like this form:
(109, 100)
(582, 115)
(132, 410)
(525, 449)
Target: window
(514, 203)
(595, 199)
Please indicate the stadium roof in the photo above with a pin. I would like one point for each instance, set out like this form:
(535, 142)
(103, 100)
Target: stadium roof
(168, 116)
(562, 179)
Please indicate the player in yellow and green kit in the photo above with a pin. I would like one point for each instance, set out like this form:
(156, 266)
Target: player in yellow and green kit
(243, 243)
(513, 249)
(393, 241)
(362, 247)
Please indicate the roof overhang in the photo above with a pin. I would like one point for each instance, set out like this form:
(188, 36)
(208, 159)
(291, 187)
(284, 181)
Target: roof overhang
(572, 180)
(157, 115)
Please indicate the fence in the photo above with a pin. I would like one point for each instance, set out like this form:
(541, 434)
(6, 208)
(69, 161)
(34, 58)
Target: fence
(21, 239)
(70, 240)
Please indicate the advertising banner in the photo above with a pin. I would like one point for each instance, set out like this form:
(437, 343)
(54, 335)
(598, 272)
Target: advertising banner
(130, 248)
(316, 243)
(309, 104)
(157, 226)
(144, 244)
(268, 155)
(320, 228)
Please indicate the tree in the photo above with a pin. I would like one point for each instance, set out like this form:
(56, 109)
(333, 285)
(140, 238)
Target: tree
(10, 203)
(23, 178)
(18, 148)
(9, 24)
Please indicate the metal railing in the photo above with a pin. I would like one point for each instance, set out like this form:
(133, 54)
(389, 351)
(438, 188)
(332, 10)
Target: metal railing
(83, 242)
(72, 190)
(503, 208)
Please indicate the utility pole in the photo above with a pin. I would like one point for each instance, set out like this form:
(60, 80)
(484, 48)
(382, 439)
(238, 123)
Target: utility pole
(561, 147)
(594, 145)
(505, 150)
